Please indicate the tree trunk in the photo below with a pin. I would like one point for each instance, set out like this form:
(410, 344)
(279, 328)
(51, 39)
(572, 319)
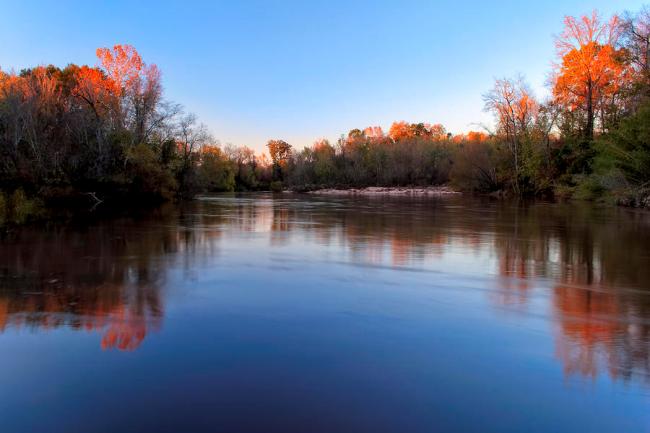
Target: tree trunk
(589, 132)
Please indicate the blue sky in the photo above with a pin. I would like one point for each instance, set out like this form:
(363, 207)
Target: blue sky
(302, 70)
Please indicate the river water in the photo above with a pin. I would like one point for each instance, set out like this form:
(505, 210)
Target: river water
(296, 313)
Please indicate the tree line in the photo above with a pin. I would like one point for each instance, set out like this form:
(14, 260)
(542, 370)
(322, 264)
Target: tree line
(589, 139)
(106, 132)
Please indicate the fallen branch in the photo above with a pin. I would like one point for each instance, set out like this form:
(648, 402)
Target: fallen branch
(98, 201)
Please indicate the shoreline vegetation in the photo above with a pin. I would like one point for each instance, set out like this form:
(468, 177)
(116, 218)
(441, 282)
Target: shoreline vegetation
(427, 191)
(104, 136)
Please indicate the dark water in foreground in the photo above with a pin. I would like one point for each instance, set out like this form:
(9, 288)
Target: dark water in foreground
(298, 314)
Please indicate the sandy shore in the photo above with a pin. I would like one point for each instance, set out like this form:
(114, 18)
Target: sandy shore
(393, 191)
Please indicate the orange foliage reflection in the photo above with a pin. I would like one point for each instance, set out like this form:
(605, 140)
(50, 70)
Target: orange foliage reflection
(106, 280)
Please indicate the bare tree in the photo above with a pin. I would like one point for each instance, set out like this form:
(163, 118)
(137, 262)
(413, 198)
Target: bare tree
(514, 108)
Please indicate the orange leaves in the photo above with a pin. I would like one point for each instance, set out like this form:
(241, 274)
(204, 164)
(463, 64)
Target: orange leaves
(11, 84)
(591, 70)
(374, 132)
(122, 81)
(472, 137)
(399, 130)
(122, 70)
(477, 136)
(512, 104)
(323, 146)
(594, 68)
(37, 85)
(151, 80)
(403, 130)
(93, 87)
(279, 150)
(438, 131)
(211, 150)
(122, 64)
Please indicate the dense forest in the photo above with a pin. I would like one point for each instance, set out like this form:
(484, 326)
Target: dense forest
(105, 133)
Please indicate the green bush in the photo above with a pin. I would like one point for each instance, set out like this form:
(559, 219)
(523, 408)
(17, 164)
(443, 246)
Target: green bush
(22, 208)
(276, 186)
(589, 188)
(627, 148)
(622, 164)
(146, 175)
(216, 172)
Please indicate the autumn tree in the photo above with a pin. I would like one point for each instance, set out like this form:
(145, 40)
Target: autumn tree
(477, 136)
(32, 110)
(137, 86)
(400, 130)
(591, 71)
(403, 130)
(373, 133)
(280, 152)
(514, 108)
(95, 89)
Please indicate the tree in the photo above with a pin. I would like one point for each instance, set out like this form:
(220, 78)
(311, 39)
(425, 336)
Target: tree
(591, 71)
(626, 149)
(216, 172)
(636, 34)
(374, 132)
(545, 121)
(280, 152)
(636, 40)
(94, 88)
(512, 104)
(191, 137)
(122, 64)
(403, 130)
(136, 86)
(323, 159)
(399, 130)
(246, 164)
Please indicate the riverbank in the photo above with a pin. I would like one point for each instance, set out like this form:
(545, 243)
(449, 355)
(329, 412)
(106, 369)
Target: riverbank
(427, 191)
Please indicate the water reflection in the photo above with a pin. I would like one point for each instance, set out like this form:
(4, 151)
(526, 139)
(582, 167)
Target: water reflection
(106, 278)
(590, 267)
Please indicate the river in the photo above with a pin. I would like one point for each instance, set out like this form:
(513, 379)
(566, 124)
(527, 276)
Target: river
(299, 313)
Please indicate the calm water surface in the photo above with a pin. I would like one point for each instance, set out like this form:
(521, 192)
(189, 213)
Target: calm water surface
(302, 314)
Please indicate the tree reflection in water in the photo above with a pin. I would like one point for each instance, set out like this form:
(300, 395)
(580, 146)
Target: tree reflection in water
(591, 265)
(105, 277)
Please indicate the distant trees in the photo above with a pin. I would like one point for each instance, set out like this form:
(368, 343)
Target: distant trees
(107, 129)
(477, 163)
(402, 130)
(252, 172)
(366, 157)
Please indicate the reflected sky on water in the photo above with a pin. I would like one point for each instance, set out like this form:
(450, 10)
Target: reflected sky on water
(295, 313)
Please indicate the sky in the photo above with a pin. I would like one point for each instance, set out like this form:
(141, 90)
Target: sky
(304, 70)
